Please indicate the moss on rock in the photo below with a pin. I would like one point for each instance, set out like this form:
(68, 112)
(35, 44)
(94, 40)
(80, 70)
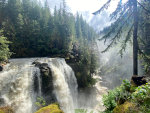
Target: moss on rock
(127, 107)
(6, 110)
(53, 108)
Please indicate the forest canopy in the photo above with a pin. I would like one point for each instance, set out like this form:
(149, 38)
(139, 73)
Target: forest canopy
(36, 31)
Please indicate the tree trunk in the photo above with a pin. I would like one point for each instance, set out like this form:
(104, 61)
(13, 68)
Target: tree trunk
(135, 42)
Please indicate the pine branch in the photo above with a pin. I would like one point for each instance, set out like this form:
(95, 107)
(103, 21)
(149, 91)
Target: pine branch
(105, 6)
(144, 8)
(124, 44)
(118, 35)
(115, 26)
(120, 10)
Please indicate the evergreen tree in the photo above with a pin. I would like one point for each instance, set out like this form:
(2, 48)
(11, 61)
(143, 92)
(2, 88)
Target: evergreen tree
(126, 16)
(4, 50)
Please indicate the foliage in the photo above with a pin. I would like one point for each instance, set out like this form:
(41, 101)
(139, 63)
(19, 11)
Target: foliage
(122, 25)
(137, 101)
(141, 98)
(142, 93)
(129, 18)
(144, 36)
(40, 102)
(126, 19)
(4, 50)
(117, 96)
(37, 32)
(82, 111)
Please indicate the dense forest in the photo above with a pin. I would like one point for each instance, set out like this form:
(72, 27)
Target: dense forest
(60, 62)
(33, 30)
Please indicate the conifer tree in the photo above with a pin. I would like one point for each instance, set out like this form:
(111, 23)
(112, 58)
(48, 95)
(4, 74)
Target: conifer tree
(126, 18)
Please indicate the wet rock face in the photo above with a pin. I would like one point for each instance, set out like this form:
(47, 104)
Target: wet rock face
(47, 82)
(1, 68)
(2, 101)
(139, 80)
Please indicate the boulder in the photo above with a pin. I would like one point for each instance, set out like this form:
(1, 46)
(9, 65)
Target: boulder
(47, 82)
(139, 80)
(53, 108)
(44, 68)
(36, 63)
(2, 101)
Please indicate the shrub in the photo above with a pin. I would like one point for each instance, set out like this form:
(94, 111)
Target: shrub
(4, 50)
(40, 102)
(117, 96)
(141, 94)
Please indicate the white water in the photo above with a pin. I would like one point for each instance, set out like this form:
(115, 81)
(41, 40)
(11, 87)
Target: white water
(65, 84)
(16, 84)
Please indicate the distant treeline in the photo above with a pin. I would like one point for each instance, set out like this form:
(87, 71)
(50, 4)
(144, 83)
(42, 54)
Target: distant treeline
(36, 32)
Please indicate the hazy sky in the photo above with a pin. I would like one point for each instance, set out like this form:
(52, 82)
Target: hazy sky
(87, 7)
(90, 5)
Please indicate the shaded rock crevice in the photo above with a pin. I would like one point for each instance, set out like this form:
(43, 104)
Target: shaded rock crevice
(47, 87)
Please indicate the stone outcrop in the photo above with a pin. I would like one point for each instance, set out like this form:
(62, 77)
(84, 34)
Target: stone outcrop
(140, 80)
(47, 82)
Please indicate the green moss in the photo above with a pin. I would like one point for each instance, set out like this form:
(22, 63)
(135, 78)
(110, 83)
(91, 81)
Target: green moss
(127, 107)
(1, 111)
(53, 108)
(80, 111)
(133, 86)
(6, 110)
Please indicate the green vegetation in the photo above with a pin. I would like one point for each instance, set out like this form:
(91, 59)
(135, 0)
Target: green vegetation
(82, 111)
(40, 102)
(4, 50)
(117, 96)
(6, 109)
(131, 25)
(34, 31)
(37, 32)
(124, 100)
(53, 108)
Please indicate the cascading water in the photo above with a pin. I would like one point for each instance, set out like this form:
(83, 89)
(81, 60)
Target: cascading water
(17, 84)
(65, 83)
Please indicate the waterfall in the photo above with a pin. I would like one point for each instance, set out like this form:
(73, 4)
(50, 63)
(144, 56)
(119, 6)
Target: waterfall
(17, 84)
(65, 83)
